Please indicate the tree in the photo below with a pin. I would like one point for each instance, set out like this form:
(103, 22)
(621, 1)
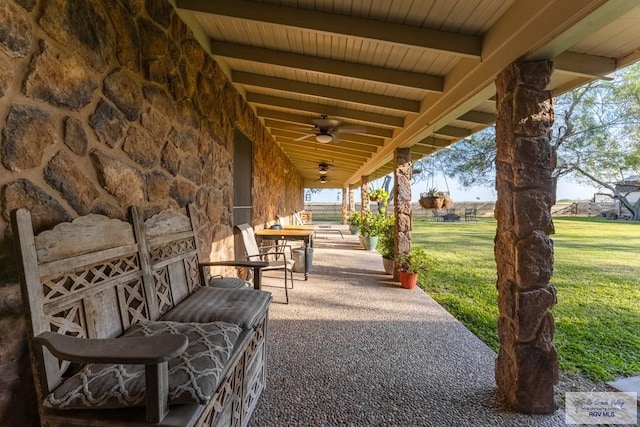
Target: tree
(595, 139)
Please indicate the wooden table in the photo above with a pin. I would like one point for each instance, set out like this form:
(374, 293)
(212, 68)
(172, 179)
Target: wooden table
(306, 235)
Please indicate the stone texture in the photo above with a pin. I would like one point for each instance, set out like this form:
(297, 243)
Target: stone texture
(45, 210)
(156, 124)
(155, 70)
(27, 4)
(139, 145)
(527, 365)
(154, 43)
(158, 185)
(15, 31)
(121, 180)
(108, 123)
(186, 141)
(128, 40)
(62, 174)
(29, 130)
(75, 137)
(109, 210)
(121, 88)
(59, 79)
(171, 158)
(183, 192)
(159, 99)
(160, 11)
(402, 201)
(191, 168)
(82, 26)
(6, 73)
(186, 114)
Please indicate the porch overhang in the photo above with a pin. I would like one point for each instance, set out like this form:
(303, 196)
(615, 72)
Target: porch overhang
(416, 74)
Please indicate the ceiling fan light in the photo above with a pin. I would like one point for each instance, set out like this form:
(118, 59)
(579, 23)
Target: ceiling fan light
(322, 171)
(324, 138)
(323, 179)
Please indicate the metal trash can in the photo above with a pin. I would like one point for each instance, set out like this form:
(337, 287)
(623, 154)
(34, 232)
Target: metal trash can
(298, 258)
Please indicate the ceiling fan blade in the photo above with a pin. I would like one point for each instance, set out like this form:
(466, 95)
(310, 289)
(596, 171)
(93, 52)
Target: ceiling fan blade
(305, 136)
(326, 123)
(351, 129)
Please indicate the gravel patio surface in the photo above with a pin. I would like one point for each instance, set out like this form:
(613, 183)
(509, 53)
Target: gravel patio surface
(352, 348)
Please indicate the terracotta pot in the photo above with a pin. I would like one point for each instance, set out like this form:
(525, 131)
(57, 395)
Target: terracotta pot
(408, 280)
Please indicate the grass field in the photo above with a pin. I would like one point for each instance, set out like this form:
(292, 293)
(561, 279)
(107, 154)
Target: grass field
(597, 276)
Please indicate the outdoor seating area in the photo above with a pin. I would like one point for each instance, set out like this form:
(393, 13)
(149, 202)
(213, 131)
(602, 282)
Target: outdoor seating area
(354, 348)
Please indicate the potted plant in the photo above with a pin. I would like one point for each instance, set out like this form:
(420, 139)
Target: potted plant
(410, 265)
(435, 199)
(355, 221)
(386, 244)
(370, 229)
(380, 196)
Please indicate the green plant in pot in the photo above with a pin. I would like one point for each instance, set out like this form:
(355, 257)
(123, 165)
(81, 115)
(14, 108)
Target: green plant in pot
(381, 196)
(386, 244)
(370, 228)
(411, 264)
(355, 221)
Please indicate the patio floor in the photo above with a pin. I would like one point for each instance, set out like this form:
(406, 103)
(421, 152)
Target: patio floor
(354, 348)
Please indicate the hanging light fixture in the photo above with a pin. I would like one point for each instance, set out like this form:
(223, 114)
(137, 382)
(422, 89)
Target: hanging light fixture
(323, 168)
(323, 179)
(324, 138)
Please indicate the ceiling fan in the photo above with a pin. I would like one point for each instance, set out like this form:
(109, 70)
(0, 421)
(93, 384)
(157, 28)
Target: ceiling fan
(326, 130)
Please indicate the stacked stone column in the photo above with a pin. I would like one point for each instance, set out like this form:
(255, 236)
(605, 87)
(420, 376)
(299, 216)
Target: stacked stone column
(527, 366)
(402, 201)
(352, 200)
(364, 194)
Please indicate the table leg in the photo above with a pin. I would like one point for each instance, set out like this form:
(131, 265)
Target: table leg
(306, 272)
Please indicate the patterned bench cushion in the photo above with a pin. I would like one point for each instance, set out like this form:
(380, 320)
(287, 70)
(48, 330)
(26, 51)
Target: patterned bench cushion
(193, 376)
(241, 307)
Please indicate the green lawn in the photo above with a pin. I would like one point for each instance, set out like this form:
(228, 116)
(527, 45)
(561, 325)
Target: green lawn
(597, 275)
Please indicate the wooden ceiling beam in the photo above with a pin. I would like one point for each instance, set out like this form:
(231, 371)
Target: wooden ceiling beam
(308, 147)
(326, 92)
(450, 43)
(479, 117)
(453, 132)
(582, 65)
(329, 110)
(316, 64)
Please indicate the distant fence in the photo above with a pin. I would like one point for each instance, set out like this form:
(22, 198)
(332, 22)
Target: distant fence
(333, 210)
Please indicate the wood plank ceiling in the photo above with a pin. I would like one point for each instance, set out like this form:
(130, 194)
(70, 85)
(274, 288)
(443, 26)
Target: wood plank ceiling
(402, 73)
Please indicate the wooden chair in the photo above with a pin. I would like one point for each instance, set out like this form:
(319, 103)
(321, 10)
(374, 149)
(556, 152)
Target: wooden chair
(275, 255)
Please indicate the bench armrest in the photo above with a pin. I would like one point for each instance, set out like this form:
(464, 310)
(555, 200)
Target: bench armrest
(256, 265)
(135, 351)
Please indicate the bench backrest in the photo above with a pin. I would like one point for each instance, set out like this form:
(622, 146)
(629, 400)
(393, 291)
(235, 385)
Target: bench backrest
(82, 279)
(95, 277)
(170, 249)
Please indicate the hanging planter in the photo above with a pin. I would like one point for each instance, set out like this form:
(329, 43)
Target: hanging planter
(431, 202)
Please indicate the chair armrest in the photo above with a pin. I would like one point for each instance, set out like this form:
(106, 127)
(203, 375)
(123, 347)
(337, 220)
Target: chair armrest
(256, 265)
(136, 350)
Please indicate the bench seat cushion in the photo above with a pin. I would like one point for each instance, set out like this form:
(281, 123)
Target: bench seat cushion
(242, 307)
(193, 376)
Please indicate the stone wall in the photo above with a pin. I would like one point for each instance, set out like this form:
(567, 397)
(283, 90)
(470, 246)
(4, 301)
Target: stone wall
(106, 104)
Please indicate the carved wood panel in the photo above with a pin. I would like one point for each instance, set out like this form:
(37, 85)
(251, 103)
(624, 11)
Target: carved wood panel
(163, 290)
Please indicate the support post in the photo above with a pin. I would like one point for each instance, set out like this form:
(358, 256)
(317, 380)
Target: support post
(345, 205)
(364, 194)
(352, 200)
(402, 202)
(527, 365)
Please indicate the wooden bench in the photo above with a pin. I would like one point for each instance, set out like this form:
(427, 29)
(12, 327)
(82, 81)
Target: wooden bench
(124, 332)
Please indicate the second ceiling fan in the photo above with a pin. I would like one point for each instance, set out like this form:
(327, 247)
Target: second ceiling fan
(326, 130)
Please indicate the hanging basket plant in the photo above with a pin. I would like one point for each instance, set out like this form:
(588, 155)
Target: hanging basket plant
(434, 199)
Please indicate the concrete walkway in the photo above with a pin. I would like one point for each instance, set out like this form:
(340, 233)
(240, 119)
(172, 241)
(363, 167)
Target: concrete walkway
(355, 349)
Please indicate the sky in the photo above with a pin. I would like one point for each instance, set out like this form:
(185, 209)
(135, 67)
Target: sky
(566, 190)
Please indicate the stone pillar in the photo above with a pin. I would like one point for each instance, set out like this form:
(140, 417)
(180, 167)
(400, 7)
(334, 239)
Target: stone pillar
(527, 365)
(364, 194)
(352, 200)
(402, 201)
(345, 205)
